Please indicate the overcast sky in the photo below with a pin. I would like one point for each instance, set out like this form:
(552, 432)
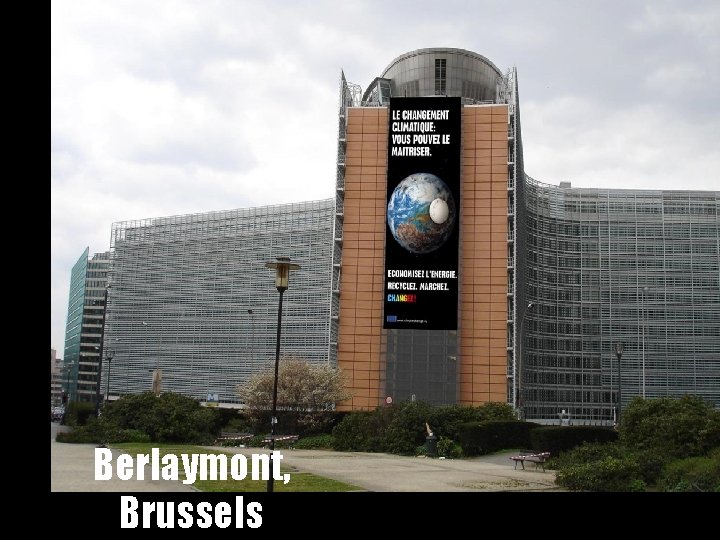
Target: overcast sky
(173, 107)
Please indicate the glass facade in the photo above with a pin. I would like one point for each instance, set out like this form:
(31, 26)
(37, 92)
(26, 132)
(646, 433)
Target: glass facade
(84, 328)
(422, 364)
(190, 295)
(73, 326)
(640, 268)
(586, 268)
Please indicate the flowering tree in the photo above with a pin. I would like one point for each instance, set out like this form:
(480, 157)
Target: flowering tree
(307, 389)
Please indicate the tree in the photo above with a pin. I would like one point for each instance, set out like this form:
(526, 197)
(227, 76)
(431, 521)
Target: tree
(677, 427)
(664, 439)
(169, 417)
(305, 389)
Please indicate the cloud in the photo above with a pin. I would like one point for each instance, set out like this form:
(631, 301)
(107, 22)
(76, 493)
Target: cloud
(647, 147)
(171, 107)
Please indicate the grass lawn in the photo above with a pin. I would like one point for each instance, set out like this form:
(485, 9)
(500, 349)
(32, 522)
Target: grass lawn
(299, 481)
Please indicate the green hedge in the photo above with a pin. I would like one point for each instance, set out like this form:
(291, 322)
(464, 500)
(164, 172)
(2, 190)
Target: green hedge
(671, 444)
(692, 474)
(678, 427)
(585, 453)
(289, 422)
(446, 420)
(484, 437)
(322, 442)
(557, 439)
(79, 436)
(169, 417)
(77, 413)
(231, 419)
(145, 418)
(400, 428)
(362, 431)
(586, 467)
(90, 434)
(606, 474)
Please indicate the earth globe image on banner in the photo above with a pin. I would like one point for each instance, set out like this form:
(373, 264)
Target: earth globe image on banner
(421, 213)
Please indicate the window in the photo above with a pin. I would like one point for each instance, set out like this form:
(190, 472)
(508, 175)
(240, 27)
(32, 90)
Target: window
(440, 76)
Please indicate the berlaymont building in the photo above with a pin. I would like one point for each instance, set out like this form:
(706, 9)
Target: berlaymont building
(439, 271)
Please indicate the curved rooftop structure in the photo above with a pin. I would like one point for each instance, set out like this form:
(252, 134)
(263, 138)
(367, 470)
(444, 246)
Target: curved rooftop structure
(437, 71)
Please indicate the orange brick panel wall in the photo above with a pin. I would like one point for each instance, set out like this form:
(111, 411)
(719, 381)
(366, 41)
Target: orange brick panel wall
(483, 259)
(360, 355)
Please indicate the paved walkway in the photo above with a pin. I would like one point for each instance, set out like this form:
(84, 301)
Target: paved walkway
(387, 472)
(73, 469)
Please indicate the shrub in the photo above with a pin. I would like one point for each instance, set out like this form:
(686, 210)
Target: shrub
(607, 474)
(651, 462)
(77, 413)
(637, 485)
(485, 437)
(406, 429)
(448, 448)
(348, 434)
(557, 439)
(653, 433)
(585, 453)
(98, 431)
(281, 445)
(494, 410)
(691, 474)
(77, 435)
(129, 435)
(169, 417)
(229, 418)
(678, 428)
(238, 424)
(400, 428)
(256, 441)
(289, 422)
(446, 420)
(323, 442)
(361, 431)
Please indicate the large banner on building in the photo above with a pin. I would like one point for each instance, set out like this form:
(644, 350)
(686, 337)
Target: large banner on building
(423, 203)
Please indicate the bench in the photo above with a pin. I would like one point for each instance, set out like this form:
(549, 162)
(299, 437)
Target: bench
(290, 439)
(538, 458)
(233, 436)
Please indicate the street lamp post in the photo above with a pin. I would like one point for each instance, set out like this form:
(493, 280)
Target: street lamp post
(619, 352)
(282, 274)
(68, 369)
(107, 382)
(100, 354)
(518, 396)
(99, 349)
